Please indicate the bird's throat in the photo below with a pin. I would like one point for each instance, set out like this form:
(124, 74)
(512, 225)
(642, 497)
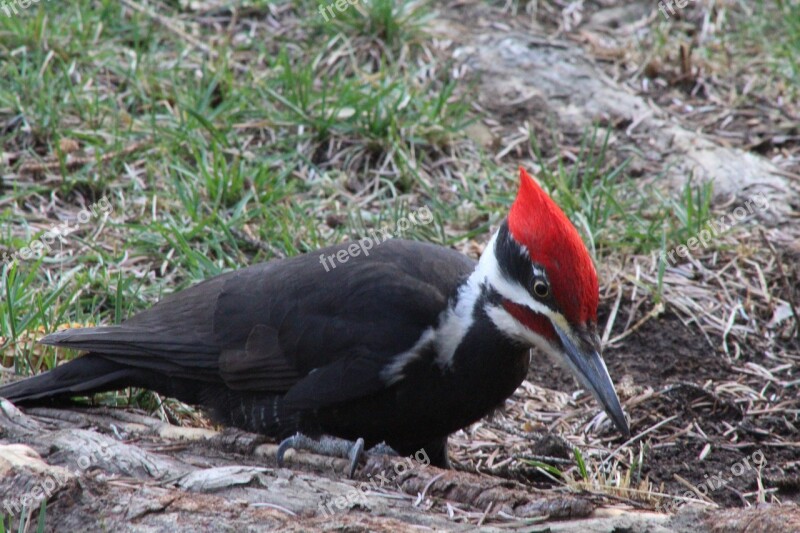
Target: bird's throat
(532, 320)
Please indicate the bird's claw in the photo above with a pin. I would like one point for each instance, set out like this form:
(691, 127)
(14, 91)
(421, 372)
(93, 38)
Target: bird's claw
(354, 454)
(329, 446)
(285, 445)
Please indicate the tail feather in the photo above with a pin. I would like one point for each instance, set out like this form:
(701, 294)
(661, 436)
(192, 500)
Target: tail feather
(92, 373)
(84, 375)
(128, 340)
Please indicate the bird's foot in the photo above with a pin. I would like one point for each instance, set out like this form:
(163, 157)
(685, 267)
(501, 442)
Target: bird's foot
(326, 445)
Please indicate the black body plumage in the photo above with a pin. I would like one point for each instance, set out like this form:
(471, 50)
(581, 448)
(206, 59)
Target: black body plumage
(291, 346)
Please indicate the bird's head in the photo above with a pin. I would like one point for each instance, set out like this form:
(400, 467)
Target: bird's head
(545, 290)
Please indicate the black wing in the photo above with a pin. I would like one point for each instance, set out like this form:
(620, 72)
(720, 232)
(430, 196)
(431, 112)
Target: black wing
(290, 325)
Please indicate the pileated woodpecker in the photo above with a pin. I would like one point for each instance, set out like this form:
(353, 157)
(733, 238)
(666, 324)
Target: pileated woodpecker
(404, 346)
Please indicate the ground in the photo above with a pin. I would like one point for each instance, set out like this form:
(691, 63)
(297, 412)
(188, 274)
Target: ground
(176, 140)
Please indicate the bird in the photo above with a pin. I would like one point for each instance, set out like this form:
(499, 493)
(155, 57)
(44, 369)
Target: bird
(399, 346)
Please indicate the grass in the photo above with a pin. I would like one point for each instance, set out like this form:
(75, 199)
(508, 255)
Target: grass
(237, 165)
(615, 212)
(750, 49)
(395, 27)
(25, 520)
(776, 27)
(588, 475)
(265, 149)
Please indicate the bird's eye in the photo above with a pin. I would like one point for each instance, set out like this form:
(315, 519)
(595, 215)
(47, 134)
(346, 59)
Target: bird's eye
(541, 289)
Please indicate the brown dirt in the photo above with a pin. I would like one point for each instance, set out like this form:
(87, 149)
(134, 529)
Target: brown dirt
(668, 356)
(727, 406)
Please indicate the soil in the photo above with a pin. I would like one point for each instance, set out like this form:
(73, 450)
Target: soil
(666, 355)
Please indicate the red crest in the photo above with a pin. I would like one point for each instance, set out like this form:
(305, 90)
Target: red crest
(537, 223)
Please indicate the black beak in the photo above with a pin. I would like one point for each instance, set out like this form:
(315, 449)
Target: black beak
(588, 365)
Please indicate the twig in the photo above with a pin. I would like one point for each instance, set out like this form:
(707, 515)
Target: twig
(422, 494)
(485, 514)
(786, 285)
(637, 437)
(176, 28)
(71, 162)
(171, 26)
